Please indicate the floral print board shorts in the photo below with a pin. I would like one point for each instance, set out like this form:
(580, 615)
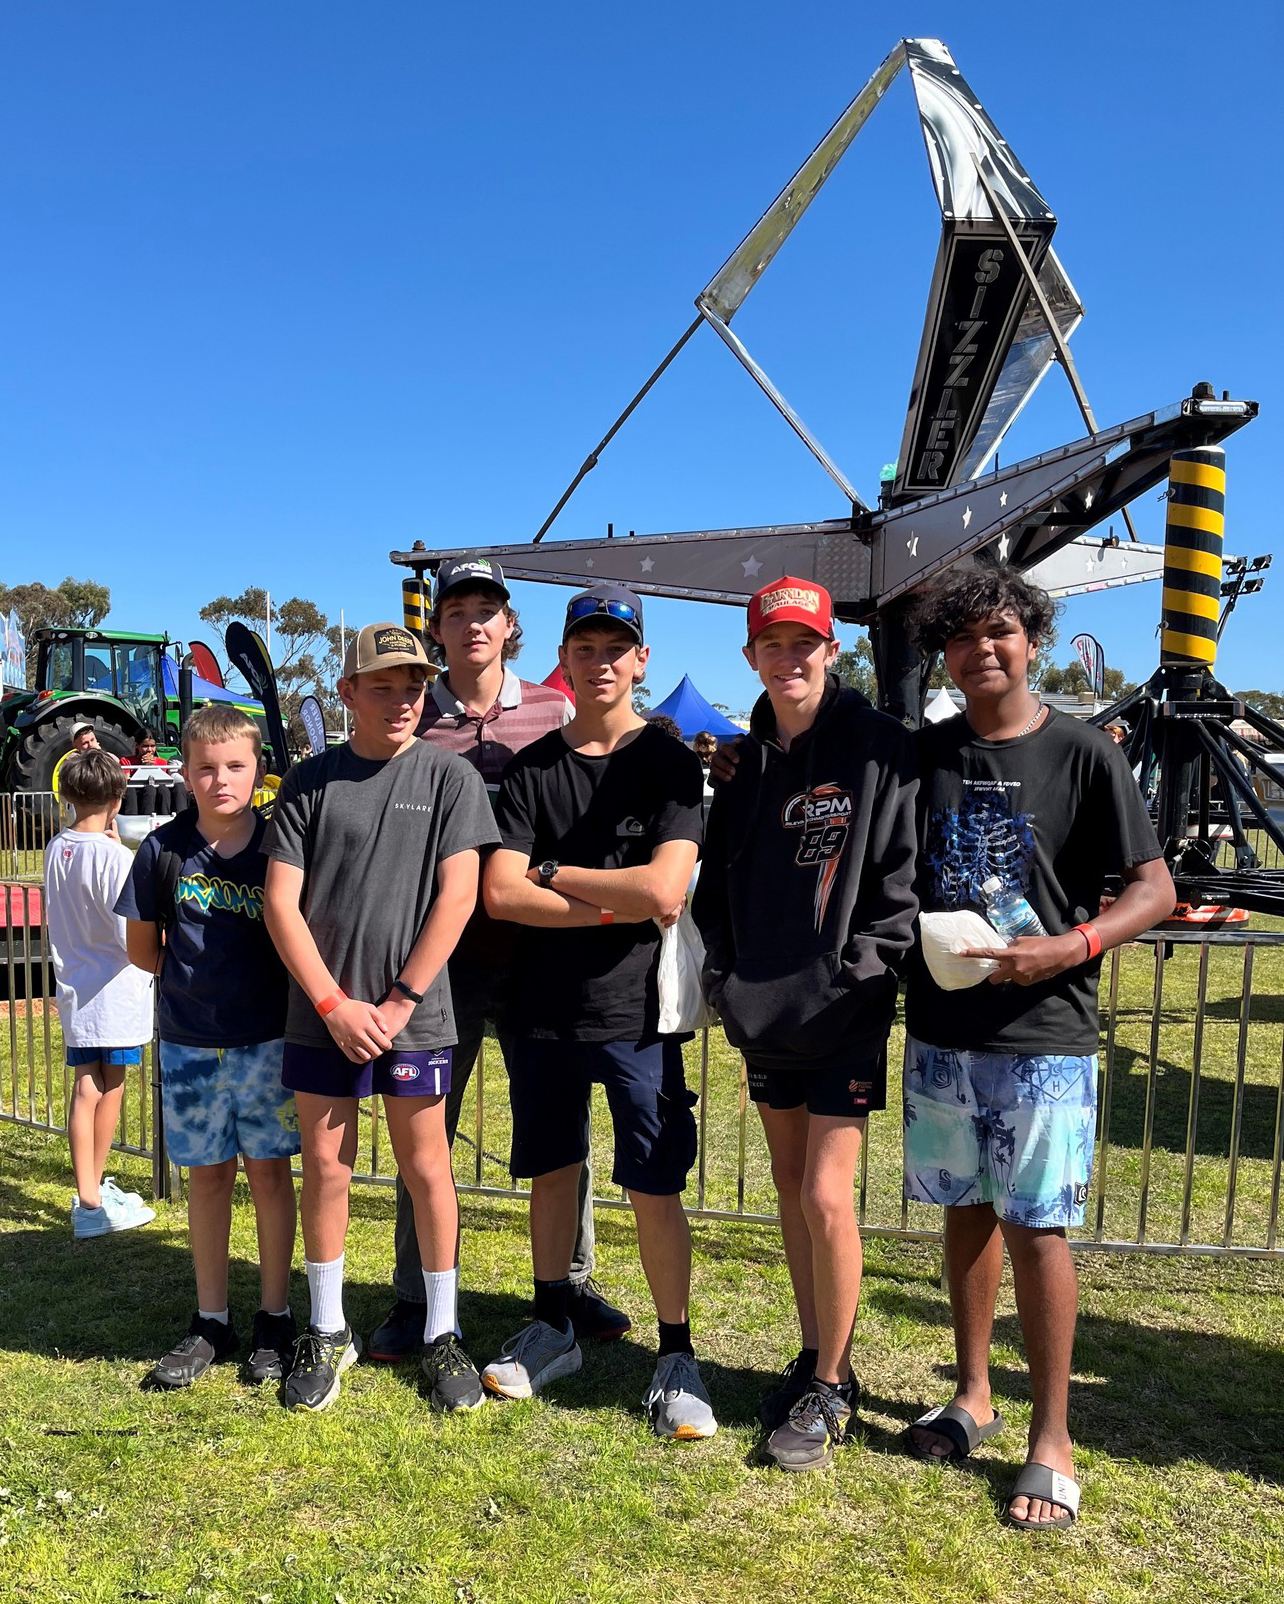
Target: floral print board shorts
(1012, 1130)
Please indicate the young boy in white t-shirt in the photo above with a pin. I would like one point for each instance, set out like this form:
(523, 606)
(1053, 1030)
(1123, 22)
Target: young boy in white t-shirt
(104, 1003)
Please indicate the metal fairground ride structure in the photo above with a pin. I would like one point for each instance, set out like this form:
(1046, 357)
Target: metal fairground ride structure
(1000, 311)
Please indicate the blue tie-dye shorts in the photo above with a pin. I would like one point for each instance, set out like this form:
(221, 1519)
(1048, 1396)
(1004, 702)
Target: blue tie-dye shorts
(1012, 1130)
(221, 1101)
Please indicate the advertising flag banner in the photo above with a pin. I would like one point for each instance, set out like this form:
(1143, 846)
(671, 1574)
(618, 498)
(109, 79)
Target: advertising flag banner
(1093, 659)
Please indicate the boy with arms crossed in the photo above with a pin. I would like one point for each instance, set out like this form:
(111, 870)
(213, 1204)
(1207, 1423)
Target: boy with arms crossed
(806, 906)
(1000, 1078)
(104, 1004)
(480, 710)
(221, 995)
(373, 875)
(600, 826)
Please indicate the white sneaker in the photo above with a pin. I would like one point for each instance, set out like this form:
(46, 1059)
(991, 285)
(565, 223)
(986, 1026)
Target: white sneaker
(537, 1355)
(676, 1401)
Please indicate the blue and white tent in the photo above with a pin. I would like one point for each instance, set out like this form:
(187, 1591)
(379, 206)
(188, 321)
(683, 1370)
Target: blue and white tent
(204, 690)
(691, 713)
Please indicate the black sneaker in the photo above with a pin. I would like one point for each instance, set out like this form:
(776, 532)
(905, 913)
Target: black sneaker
(320, 1358)
(795, 1379)
(401, 1335)
(592, 1317)
(271, 1346)
(454, 1378)
(817, 1424)
(208, 1342)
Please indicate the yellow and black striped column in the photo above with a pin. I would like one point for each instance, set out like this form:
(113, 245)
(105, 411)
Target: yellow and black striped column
(1193, 557)
(412, 606)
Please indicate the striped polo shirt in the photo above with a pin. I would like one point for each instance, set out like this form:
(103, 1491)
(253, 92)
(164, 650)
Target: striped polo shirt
(523, 712)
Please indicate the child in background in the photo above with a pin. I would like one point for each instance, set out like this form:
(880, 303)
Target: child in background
(104, 1004)
(222, 1023)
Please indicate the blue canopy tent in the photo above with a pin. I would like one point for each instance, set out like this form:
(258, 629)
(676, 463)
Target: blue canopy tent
(691, 713)
(204, 690)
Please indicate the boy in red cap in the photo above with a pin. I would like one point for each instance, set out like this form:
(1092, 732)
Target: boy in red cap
(806, 905)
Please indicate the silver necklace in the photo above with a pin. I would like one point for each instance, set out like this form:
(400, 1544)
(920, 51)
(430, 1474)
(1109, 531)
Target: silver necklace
(1038, 714)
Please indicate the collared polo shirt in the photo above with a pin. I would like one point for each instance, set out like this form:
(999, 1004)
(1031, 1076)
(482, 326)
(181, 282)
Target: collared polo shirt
(523, 712)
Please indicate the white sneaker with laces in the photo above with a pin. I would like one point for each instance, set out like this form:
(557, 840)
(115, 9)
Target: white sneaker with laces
(677, 1403)
(537, 1355)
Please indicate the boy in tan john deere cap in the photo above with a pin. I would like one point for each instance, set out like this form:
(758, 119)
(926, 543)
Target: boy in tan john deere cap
(366, 897)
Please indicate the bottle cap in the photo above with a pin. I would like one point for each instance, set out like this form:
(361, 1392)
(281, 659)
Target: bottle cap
(990, 886)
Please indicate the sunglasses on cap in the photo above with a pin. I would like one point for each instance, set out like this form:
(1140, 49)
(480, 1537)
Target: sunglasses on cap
(589, 606)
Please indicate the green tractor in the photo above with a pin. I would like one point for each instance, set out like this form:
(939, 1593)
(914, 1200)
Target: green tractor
(119, 683)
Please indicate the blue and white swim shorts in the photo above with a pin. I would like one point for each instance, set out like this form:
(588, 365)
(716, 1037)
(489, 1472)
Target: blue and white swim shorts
(221, 1101)
(1012, 1130)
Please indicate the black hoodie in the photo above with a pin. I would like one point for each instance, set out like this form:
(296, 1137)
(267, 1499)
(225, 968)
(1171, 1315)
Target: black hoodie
(806, 893)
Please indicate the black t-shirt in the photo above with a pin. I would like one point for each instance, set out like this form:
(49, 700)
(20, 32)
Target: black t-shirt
(596, 984)
(221, 984)
(1051, 814)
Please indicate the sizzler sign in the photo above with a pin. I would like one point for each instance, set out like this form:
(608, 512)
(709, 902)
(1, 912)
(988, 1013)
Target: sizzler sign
(979, 291)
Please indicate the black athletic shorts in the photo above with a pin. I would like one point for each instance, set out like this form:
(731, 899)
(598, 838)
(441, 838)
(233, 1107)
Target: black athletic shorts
(857, 1089)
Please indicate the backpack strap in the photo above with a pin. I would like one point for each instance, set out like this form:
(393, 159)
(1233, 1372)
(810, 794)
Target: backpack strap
(169, 869)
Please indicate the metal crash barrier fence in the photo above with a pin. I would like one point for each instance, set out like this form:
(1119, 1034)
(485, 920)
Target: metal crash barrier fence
(1190, 1118)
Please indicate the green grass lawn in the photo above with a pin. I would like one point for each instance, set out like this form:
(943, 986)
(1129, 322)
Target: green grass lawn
(108, 1492)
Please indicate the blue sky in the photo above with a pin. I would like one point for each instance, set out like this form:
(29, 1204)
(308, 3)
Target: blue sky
(289, 286)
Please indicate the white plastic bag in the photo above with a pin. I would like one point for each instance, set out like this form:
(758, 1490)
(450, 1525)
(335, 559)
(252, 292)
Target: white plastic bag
(682, 1004)
(946, 936)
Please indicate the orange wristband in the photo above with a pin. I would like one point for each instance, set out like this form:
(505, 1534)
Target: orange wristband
(1092, 936)
(608, 917)
(327, 1005)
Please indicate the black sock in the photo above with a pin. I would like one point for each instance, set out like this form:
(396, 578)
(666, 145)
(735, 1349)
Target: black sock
(809, 1356)
(675, 1338)
(551, 1301)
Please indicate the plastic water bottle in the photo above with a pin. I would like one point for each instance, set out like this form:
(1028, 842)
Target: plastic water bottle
(1009, 912)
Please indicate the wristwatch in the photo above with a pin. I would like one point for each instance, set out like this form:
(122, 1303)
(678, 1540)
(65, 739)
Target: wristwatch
(404, 989)
(547, 870)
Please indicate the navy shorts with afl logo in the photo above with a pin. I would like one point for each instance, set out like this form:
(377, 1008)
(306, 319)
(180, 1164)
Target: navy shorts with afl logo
(328, 1072)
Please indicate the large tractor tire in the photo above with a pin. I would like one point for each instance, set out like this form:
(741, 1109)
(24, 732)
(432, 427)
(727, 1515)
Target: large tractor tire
(34, 764)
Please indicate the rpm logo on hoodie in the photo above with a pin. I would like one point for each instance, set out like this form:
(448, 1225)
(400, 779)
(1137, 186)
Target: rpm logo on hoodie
(823, 814)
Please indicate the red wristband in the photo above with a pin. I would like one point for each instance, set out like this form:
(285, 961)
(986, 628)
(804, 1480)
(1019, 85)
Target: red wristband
(608, 917)
(327, 1005)
(1092, 936)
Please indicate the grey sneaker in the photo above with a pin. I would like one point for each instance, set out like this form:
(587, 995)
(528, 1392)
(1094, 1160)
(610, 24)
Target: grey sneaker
(676, 1402)
(817, 1425)
(529, 1361)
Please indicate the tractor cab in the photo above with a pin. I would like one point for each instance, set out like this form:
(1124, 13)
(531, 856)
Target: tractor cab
(124, 667)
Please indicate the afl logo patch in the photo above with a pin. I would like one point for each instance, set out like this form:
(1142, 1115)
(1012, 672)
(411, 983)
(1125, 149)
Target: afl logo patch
(405, 1072)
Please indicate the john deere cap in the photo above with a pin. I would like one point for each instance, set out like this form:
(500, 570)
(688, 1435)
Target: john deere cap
(382, 646)
(457, 571)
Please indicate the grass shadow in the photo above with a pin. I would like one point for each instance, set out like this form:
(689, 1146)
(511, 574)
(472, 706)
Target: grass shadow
(1158, 1394)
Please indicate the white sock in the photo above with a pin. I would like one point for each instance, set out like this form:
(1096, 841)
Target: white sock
(214, 1314)
(325, 1287)
(278, 1314)
(441, 1288)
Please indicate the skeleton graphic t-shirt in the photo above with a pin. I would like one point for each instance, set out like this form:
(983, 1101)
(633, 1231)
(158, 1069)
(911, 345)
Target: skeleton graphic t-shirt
(1051, 815)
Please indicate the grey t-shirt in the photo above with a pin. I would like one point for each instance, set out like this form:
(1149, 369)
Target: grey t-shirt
(368, 836)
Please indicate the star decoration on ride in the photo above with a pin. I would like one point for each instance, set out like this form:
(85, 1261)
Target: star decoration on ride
(1005, 545)
(911, 545)
(647, 565)
(967, 516)
(1087, 500)
(1003, 498)
(751, 568)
